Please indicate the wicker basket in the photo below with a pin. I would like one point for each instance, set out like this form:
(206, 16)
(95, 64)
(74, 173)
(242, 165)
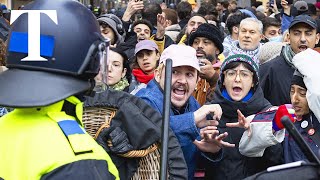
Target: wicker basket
(96, 118)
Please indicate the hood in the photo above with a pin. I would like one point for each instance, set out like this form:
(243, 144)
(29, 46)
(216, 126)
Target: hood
(255, 104)
(174, 27)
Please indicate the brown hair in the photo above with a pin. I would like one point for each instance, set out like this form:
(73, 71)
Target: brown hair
(171, 15)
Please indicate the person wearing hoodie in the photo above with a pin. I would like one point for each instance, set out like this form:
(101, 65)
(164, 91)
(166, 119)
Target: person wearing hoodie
(304, 94)
(111, 27)
(238, 91)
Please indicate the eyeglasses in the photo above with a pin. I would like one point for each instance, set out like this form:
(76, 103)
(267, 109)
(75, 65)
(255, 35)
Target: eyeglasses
(232, 74)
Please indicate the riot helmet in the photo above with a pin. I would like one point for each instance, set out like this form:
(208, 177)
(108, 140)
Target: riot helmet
(54, 61)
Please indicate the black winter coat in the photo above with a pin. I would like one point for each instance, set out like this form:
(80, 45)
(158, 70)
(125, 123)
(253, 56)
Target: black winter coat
(142, 124)
(234, 165)
(275, 80)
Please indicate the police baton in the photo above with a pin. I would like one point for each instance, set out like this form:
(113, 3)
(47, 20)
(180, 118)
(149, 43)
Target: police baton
(299, 140)
(165, 120)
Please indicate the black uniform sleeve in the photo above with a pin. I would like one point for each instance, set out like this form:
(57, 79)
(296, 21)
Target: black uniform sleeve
(81, 170)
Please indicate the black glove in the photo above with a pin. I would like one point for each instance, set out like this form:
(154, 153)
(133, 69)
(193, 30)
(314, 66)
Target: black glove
(119, 140)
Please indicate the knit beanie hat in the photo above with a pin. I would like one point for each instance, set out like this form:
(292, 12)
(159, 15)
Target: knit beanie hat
(297, 79)
(209, 31)
(239, 58)
(269, 51)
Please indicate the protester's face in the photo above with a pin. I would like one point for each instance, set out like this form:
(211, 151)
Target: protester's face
(107, 32)
(238, 82)
(219, 7)
(232, 7)
(272, 31)
(302, 37)
(147, 60)
(194, 23)
(143, 32)
(204, 46)
(184, 81)
(116, 71)
(249, 36)
(299, 100)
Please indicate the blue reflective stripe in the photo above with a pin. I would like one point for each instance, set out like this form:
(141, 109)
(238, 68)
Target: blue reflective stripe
(70, 127)
(19, 43)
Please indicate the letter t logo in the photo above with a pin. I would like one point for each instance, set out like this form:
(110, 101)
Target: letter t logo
(34, 31)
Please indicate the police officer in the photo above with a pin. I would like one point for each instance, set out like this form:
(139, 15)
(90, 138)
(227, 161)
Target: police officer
(53, 55)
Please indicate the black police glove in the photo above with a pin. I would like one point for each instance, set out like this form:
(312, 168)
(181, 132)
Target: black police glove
(119, 140)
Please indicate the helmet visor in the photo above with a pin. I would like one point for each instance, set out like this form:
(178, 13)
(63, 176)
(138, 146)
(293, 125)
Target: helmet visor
(101, 78)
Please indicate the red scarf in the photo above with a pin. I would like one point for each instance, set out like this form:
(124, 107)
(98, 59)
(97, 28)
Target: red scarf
(141, 76)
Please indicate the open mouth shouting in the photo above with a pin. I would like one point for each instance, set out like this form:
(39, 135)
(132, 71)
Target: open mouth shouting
(200, 53)
(236, 91)
(179, 92)
(303, 47)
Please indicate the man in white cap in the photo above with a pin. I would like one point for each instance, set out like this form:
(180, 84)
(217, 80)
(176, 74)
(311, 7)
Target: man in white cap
(186, 116)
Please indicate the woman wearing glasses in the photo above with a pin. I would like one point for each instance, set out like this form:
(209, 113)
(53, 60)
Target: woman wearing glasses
(238, 93)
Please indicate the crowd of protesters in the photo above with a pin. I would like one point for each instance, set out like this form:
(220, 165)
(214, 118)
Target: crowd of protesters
(229, 64)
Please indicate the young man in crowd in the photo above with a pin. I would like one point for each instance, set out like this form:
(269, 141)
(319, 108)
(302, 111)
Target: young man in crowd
(271, 30)
(207, 41)
(192, 25)
(276, 74)
(186, 115)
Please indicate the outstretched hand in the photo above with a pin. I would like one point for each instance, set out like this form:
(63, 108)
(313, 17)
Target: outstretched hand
(211, 141)
(243, 122)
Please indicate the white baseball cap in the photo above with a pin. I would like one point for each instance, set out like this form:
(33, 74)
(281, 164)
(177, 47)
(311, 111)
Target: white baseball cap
(181, 55)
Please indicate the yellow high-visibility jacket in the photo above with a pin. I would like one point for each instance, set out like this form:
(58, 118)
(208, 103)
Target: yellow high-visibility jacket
(46, 143)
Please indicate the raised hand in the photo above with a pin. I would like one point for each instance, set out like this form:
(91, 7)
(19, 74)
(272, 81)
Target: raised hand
(275, 7)
(243, 122)
(161, 26)
(286, 7)
(208, 72)
(132, 7)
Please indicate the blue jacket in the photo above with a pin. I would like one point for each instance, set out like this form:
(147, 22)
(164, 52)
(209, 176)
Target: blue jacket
(285, 22)
(182, 124)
